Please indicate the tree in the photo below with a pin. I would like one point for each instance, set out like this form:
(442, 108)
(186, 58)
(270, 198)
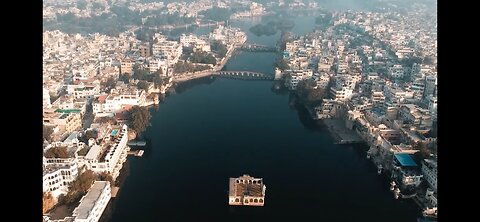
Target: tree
(138, 119)
(103, 176)
(138, 73)
(88, 135)
(109, 84)
(142, 84)
(217, 14)
(219, 47)
(281, 64)
(47, 133)
(48, 202)
(125, 77)
(57, 152)
(80, 186)
(106, 119)
(157, 81)
(308, 93)
(423, 148)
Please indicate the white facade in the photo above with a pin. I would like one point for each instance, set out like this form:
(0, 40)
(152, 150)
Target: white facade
(46, 98)
(429, 170)
(432, 104)
(341, 94)
(396, 71)
(114, 149)
(114, 102)
(58, 174)
(93, 204)
(296, 76)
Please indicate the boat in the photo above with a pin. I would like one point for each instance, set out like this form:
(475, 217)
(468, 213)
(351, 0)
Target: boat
(396, 193)
(379, 170)
(368, 156)
(139, 153)
(392, 185)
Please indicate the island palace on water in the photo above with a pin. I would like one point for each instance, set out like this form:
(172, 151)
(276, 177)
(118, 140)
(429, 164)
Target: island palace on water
(246, 190)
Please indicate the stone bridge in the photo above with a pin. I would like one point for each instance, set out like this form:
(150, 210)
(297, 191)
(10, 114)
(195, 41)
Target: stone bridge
(258, 48)
(245, 75)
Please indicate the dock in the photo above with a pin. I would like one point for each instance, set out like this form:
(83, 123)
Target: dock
(114, 191)
(136, 143)
(138, 153)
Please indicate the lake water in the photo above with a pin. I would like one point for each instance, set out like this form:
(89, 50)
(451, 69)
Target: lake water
(214, 128)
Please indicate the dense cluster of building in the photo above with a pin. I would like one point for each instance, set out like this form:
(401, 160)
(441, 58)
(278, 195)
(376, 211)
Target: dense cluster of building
(77, 100)
(390, 103)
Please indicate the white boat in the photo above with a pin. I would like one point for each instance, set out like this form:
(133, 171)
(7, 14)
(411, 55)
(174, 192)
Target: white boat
(392, 185)
(396, 193)
(379, 170)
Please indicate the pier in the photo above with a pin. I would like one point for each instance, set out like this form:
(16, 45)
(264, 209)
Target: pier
(138, 153)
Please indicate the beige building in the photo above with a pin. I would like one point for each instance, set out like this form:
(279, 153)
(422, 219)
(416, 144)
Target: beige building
(247, 190)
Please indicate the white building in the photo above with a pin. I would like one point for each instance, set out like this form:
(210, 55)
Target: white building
(93, 204)
(432, 104)
(58, 174)
(110, 155)
(46, 98)
(396, 71)
(429, 170)
(118, 100)
(295, 76)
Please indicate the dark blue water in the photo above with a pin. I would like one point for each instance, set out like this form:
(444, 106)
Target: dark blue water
(215, 128)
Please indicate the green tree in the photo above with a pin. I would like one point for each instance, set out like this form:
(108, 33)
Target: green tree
(142, 84)
(281, 64)
(57, 152)
(157, 81)
(138, 118)
(103, 176)
(308, 93)
(88, 134)
(111, 83)
(80, 186)
(125, 77)
(217, 14)
(219, 48)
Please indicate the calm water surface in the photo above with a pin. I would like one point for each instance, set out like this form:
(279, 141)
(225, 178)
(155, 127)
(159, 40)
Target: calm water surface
(215, 128)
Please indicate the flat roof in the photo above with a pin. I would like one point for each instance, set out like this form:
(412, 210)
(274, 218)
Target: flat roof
(93, 152)
(405, 160)
(88, 201)
(67, 110)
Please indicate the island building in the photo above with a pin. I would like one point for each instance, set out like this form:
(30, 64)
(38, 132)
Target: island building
(246, 190)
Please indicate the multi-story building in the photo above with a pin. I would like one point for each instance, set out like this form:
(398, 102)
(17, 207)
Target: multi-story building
(58, 174)
(126, 66)
(429, 170)
(119, 100)
(46, 98)
(405, 170)
(295, 76)
(110, 155)
(246, 190)
(68, 120)
(93, 204)
(396, 71)
(430, 85)
(432, 105)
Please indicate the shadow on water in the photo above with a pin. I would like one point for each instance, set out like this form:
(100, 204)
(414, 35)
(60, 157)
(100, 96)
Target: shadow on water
(184, 86)
(303, 114)
(278, 88)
